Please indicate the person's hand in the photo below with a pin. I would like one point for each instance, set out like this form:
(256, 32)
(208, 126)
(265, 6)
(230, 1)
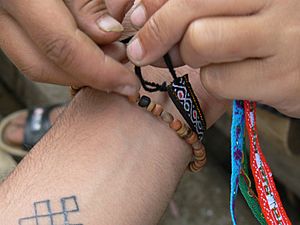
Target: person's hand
(52, 41)
(247, 49)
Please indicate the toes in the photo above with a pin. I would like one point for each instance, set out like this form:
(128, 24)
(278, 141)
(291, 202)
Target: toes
(14, 134)
(20, 120)
(93, 18)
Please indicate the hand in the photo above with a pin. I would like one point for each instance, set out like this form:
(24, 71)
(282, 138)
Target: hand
(248, 49)
(46, 41)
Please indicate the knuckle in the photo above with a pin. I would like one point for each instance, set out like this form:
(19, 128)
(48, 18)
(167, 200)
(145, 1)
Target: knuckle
(32, 72)
(201, 36)
(153, 5)
(210, 78)
(156, 31)
(61, 50)
(190, 4)
(196, 44)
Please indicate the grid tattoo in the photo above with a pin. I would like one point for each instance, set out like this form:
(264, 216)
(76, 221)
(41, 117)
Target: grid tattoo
(44, 215)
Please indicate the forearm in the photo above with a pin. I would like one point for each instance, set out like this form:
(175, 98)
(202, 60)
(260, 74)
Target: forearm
(121, 163)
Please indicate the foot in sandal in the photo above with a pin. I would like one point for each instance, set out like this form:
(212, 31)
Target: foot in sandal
(21, 130)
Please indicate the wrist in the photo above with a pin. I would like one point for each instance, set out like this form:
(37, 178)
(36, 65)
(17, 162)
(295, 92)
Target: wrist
(116, 119)
(107, 152)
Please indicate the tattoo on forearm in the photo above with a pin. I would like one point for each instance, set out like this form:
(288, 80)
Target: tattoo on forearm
(44, 215)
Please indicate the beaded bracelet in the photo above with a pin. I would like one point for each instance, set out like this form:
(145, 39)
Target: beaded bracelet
(182, 95)
(181, 128)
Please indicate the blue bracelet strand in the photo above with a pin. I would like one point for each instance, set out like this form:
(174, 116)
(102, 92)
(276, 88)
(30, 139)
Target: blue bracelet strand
(237, 143)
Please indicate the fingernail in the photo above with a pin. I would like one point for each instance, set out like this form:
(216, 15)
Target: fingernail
(126, 90)
(135, 50)
(109, 24)
(138, 17)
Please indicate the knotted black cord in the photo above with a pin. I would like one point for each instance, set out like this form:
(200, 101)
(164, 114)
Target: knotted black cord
(151, 86)
(168, 62)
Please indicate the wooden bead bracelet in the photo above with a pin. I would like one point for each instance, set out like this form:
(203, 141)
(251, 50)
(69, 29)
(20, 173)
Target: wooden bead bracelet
(181, 128)
(182, 95)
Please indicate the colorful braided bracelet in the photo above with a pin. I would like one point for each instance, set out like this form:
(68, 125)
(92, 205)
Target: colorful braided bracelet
(265, 204)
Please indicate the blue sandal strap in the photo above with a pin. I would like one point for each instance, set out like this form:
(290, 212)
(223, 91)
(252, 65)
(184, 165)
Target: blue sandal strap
(37, 124)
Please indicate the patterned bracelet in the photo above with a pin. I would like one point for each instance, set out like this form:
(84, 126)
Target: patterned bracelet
(181, 128)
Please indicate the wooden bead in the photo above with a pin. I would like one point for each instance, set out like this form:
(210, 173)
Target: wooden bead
(200, 163)
(190, 133)
(186, 133)
(167, 117)
(176, 125)
(157, 111)
(197, 145)
(193, 168)
(150, 107)
(199, 154)
(182, 130)
(192, 139)
(200, 158)
(144, 101)
(134, 98)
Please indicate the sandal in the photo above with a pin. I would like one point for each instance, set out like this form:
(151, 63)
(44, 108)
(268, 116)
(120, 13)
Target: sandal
(37, 124)
(7, 165)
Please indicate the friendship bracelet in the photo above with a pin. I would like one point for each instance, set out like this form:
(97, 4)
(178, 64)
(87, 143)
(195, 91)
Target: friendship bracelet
(182, 129)
(265, 203)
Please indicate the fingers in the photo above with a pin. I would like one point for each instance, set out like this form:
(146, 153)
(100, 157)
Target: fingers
(55, 33)
(99, 23)
(260, 80)
(29, 60)
(118, 8)
(92, 18)
(216, 40)
(167, 26)
(117, 51)
(143, 10)
(246, 80)
(175, 56)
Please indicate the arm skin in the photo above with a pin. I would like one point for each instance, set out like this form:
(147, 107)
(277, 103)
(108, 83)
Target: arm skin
(97, 151)
(121, 163)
